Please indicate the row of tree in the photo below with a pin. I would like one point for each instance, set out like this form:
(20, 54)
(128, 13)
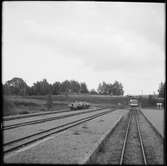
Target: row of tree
(110, 89)
(17, 86)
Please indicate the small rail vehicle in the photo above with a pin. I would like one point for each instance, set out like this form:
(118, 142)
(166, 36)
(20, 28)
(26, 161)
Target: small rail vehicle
(78, 105)
(134, 104)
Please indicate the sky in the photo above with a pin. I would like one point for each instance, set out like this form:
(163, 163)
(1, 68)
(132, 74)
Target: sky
(85, 41)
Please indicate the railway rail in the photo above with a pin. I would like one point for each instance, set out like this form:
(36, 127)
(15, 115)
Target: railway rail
(133, 116)
(14, 117)
(134, 141)
(24, 141)
(7, 127)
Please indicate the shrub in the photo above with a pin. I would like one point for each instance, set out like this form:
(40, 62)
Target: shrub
(24, 112)
(9, 107)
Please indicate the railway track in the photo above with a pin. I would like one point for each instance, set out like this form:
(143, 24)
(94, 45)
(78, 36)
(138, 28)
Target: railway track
(15, 117)
(59, 111)
(24, 141)
(136, 147)
(7, 127)
(133, 141)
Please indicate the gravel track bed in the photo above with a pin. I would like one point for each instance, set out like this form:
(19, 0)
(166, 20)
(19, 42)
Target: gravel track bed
(156, 117)
(133, 152)
(42, 116)
(69, 147)
(110, 153)
(153, 143)
(16, 133)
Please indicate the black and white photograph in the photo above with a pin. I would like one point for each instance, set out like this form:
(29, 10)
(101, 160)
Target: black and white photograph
(83, 82)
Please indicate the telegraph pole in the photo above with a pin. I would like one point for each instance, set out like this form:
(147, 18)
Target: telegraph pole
(142, 92)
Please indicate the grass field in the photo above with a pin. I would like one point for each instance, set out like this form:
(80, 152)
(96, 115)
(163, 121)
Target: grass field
(89, 98)
(33, 104)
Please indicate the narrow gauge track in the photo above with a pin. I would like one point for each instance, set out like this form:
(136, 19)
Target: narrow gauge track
(24, 141)
(7, 127)
(127, 149)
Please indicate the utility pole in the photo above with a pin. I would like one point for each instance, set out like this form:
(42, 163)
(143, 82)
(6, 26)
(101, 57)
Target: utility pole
(142, 92)
(141, 99)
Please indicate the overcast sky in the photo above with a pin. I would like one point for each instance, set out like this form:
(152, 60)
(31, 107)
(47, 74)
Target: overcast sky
(86, 41)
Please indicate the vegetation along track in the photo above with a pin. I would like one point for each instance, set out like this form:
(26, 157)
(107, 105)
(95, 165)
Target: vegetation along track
(7, 127)
(21, 142)
(133, 141)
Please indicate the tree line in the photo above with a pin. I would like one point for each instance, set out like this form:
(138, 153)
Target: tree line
(110, 89)
(17, 86)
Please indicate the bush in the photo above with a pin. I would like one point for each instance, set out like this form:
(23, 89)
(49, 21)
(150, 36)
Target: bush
(24, 112)
(42, 109)
(9, 107)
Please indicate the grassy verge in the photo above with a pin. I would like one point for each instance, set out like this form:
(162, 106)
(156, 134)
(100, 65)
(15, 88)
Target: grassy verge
(9, 108)
(85, 97)
(14, 105)
(33, 104)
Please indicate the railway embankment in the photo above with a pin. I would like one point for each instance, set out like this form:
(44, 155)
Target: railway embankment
(134, 141)
(156, 117)
(75, 145)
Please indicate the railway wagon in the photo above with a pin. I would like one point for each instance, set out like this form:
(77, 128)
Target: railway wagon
(134, 104)
(78, 105)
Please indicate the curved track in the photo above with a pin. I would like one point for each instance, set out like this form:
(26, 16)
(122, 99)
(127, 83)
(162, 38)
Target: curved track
(18, 143)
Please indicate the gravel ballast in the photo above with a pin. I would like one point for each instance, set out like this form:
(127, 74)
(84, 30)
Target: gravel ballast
(156, 117)
(71, 146)
(133, 152)
(153, 142)
(22, 131)
(110, 153)
(36, 116)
